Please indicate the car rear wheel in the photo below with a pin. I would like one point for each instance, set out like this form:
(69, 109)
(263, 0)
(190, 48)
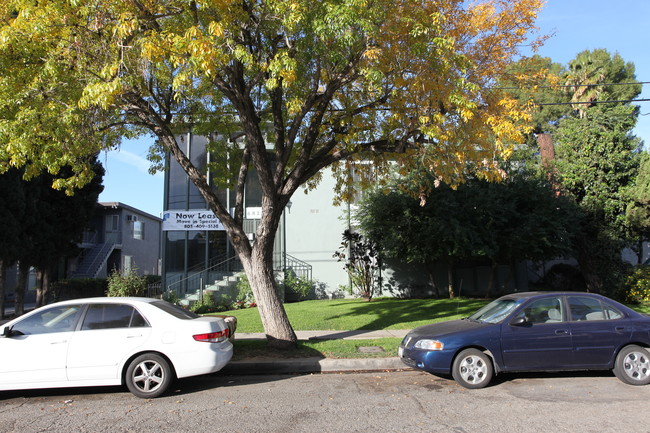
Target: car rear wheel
(148, 376)
(472, 369)
(633, 365)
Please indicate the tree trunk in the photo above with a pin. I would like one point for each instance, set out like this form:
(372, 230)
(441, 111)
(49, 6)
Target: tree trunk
(432, 279)
(493, 277)
(592, 280)
(259, 270)
(42, 286)
(450, 279)
(2, 289)
(19, 293)
(640, 253)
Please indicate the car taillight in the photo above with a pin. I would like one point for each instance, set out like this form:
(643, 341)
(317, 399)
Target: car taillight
(213, 337)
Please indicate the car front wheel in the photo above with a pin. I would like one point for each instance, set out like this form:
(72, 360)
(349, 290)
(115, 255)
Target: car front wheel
(633, 365)
(472, 369)
(148, 376)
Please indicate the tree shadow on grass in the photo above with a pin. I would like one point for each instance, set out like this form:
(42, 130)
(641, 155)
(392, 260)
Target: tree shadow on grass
(390, 313)
(259, 349)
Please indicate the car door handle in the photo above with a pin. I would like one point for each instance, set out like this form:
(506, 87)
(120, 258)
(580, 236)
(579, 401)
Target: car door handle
(561, 332)
(134, 336)
(59, 342)
(620, 328)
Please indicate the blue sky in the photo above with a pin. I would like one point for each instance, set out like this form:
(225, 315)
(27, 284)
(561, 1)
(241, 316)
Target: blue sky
(577, 25)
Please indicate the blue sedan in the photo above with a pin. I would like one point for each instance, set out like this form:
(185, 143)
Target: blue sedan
(535, 331)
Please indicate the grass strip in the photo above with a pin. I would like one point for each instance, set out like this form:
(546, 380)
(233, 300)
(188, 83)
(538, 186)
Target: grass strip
(258, 349)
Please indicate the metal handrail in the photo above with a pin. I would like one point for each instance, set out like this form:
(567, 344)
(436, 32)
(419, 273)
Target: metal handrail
(300, 268)
(232, 264)
(101, 256)
(200, 278)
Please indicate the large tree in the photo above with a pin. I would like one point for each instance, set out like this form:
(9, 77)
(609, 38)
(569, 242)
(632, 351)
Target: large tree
(42, 225)
(12, 213)
(638, 205)
(584, 130)
(305, 84)
(519, 218)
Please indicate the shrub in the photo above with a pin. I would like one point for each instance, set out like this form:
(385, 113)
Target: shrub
(296, 288)
(79, 288)
(126, 284)
(244, 294)
(637, 285)
(361, 260)
(563, 276)
(205, 305)
(171, 297)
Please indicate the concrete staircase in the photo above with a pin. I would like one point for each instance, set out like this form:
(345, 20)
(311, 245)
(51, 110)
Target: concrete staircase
(225, 286)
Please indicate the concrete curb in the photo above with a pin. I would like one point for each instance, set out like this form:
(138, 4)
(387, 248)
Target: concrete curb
(312, 365)
(318, 364)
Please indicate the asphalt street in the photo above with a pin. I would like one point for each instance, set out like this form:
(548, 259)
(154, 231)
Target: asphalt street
(398, 401)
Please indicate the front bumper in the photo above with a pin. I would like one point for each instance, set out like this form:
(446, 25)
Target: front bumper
(433, 361)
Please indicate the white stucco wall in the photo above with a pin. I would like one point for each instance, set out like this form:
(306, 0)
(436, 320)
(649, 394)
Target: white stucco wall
(314, 231)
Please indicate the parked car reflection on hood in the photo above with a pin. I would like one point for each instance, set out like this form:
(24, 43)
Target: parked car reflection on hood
(535, 331)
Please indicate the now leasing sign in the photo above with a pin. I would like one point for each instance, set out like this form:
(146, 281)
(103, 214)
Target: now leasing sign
(190, 220)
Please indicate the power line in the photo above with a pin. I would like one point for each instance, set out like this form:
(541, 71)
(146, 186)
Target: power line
(573, 85)
(593, 102)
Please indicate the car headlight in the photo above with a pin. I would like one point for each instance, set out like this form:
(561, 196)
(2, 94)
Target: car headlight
(429, 345)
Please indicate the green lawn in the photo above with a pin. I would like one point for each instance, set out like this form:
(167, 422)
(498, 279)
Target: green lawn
(246, 349)
(642, 308)
(356, 314)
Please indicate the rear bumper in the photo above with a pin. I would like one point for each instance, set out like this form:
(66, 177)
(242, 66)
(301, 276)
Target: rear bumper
(207, 358)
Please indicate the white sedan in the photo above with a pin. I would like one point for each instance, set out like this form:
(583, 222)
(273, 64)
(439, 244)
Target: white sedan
(143, 343)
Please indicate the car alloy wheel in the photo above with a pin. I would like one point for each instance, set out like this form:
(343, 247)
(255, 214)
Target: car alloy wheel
(633, 365)
(472, 369)
(148, 375)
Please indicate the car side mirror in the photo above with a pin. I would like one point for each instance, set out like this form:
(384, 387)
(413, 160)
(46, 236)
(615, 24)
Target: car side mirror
(6, 332)
(519, 321)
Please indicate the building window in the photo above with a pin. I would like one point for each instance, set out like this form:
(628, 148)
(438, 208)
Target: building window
(114, 222)
(138, 230)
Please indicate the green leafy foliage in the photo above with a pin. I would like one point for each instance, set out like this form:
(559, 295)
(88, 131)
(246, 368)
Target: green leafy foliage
(637, 285)
(638, 204)
(79, 288)
(519, 218)
(294, 86)
(171, 297)
(126, 284)
(362, 262)
(296, 288)
(596, 155)
(204, 305)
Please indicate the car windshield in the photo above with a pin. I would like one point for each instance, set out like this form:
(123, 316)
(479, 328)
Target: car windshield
(495, 311)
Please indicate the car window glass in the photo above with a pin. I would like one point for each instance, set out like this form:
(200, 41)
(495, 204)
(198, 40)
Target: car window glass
(110, 316)
(612, 313)
(547, 310)
(137, 321)
(175, 310)
(584, 308)
(55, 319)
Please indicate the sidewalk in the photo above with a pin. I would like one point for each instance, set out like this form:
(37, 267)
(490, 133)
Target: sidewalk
(317, 364)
